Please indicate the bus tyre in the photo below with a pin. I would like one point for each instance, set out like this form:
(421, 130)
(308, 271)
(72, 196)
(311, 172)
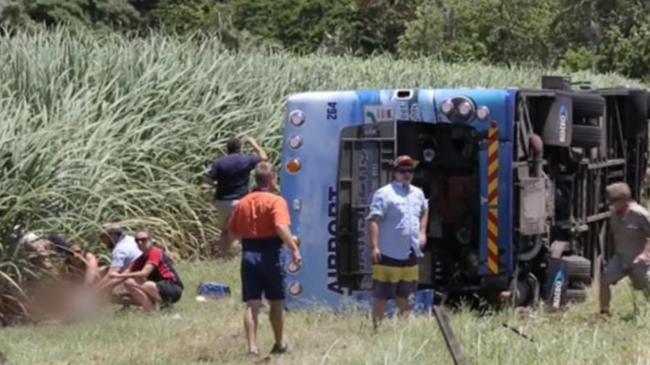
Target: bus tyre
(586, 136)
(587, 105)
(578, 269)
(576, 295)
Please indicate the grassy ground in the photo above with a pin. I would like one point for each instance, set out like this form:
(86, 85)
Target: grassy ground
(211, 333)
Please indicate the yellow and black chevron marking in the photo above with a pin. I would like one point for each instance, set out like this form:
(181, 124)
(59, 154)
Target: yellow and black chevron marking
(493, 199)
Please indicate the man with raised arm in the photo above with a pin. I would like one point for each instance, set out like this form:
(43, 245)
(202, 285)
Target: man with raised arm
(230, 175)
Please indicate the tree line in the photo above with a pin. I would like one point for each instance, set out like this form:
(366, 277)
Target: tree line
(597, 35)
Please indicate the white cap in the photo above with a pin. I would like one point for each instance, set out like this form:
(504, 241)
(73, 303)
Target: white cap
(29, 238)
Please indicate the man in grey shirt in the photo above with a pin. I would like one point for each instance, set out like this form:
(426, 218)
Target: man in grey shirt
(630, 227)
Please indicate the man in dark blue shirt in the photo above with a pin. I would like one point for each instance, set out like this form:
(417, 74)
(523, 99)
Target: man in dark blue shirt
(231, 177)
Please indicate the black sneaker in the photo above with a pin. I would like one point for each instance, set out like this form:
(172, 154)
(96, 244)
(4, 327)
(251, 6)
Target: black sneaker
(279, 349)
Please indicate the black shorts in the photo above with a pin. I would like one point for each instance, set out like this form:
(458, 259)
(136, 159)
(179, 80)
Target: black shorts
(169, 291)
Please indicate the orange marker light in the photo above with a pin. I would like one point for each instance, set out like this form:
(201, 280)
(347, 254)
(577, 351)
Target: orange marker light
(293, 166)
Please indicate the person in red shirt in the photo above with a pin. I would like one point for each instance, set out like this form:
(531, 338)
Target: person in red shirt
(151, 280)
(261, 220)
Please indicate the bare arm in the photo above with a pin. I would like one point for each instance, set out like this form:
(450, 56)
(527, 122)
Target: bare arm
(146, 270)
(92, 269)
(208, 180)
(424, 220)
(373, 233)
(108, 281)
(286, 237)
(373, 238)
(258, 150)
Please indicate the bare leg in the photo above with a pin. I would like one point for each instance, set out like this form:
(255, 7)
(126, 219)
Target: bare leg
(276, 315)
(220, 249)
(605, 295)
(151, 289)
(404, 306)
(378, 309)
(251, 315)
(139, 295)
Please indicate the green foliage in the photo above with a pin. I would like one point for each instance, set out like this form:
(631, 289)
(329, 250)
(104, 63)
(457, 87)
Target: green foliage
(493, 31)
(111, 14)
(577, 59)
(377, 25)
(606, 34)
(628, 54)
(185, 16)
(615, 32)
(299, 25)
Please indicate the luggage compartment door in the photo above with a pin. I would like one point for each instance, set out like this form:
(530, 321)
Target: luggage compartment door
(365, 164)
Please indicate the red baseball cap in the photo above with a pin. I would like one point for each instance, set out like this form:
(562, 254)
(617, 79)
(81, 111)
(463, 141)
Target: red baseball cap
(405, 161)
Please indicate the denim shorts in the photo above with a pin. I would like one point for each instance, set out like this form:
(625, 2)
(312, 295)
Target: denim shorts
(639, 274)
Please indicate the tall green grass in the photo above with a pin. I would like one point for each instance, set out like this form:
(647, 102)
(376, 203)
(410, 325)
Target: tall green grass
(108, 128)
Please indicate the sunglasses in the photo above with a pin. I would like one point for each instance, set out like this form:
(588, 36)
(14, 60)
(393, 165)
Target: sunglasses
(405, 171)
(141, 239)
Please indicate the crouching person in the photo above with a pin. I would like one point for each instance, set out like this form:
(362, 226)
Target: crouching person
(151, 280)
(124, 251)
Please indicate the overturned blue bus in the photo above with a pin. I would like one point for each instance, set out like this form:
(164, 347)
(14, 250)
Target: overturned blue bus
(514, 177)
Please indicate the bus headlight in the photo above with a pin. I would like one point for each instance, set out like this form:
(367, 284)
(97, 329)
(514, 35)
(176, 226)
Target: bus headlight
(297, 118)
(465, 108)
(447, 106)
(295, 142)
(483, 112)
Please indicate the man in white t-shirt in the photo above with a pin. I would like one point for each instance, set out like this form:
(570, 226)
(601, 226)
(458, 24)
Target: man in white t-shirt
(124, 252)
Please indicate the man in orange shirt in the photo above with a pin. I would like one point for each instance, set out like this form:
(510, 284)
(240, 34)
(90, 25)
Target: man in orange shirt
(261, 220)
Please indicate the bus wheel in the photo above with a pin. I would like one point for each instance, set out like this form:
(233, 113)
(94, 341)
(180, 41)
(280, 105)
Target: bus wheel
(578, 269)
